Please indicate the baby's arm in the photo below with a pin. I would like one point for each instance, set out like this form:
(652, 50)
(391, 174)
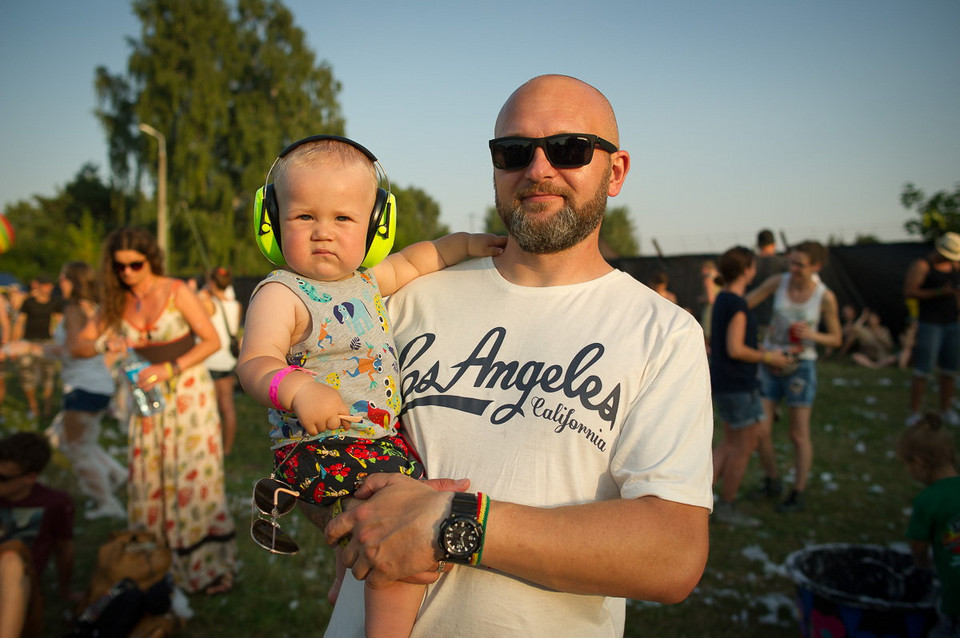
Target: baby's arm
(425, 257)
(276, 319)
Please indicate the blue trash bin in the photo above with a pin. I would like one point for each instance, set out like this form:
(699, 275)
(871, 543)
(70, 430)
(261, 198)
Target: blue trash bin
(861, 591)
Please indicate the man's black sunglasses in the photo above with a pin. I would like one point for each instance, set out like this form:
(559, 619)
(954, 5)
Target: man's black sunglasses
(566, 150)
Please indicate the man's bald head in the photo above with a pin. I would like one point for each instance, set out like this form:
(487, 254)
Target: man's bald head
(567, 98)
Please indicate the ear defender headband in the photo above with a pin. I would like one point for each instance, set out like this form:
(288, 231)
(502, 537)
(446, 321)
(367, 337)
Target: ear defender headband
(383, 219)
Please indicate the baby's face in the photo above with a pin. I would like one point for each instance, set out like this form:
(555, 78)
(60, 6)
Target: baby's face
(324, 214)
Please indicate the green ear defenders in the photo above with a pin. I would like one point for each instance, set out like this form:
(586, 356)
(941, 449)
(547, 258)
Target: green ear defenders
(383, 219)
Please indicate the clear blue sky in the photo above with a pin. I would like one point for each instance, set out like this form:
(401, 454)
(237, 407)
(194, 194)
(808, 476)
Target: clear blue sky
(806, 117)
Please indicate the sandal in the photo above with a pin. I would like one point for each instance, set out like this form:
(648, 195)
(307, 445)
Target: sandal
(221, 585)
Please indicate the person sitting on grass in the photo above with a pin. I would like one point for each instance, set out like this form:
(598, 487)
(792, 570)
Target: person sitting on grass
(928, 451)
(868, 342)
(35, 521)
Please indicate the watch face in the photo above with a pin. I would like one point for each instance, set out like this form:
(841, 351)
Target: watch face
(461, 537)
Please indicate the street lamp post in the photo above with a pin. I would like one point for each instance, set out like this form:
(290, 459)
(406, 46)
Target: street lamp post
(161, 192)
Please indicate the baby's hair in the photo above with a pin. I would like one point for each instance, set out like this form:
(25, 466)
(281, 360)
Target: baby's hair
(928, 442)
(734, 262)
(329, 152)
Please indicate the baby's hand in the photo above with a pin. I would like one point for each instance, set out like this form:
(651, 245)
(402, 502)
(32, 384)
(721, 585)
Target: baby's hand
(319, 407)
(485, 244)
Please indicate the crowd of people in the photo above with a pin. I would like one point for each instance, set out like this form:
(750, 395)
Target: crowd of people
(86, 338)
(537, 386)
(754, 367)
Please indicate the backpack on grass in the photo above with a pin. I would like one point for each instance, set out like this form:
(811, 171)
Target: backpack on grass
(130, 590)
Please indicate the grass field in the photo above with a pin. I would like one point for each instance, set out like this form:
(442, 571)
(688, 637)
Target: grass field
(858, 493)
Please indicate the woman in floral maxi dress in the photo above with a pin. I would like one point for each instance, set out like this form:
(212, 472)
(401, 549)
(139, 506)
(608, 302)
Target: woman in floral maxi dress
(176, 486)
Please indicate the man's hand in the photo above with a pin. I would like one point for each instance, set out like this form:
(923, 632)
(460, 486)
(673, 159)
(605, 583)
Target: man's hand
(394, 528)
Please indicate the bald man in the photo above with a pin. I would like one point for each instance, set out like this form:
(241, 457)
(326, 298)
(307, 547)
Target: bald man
(574, 399)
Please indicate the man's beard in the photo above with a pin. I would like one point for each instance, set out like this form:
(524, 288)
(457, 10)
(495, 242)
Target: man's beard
(564, 229)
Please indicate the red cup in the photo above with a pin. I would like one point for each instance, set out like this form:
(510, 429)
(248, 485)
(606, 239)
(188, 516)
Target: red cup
(795, 332)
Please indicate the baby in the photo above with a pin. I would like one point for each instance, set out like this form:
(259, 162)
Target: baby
(317, 343)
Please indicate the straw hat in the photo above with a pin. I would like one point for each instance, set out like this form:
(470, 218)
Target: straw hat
(948, 245)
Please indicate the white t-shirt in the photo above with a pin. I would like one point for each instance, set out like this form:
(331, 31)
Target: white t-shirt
(545, 397)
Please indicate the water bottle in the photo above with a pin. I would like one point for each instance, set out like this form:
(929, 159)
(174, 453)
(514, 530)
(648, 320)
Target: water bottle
(148, 402)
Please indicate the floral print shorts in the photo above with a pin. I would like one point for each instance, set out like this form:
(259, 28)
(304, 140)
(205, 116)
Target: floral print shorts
(326, 470)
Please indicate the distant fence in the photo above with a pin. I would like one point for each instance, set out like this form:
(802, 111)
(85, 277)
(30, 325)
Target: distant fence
(867, 275)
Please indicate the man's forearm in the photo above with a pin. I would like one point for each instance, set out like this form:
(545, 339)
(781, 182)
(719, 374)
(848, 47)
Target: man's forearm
(647, 548)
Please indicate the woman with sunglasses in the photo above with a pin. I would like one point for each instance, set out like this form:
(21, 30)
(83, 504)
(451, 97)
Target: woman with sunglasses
(176, 460)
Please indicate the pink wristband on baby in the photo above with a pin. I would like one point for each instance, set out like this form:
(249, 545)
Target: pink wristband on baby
(275, 385)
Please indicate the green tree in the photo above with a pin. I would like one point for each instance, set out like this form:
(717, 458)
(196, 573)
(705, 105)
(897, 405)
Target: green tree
(80, 215)
(418, 217)
(936, 214)
(228, 86)
(492, 222)
(617, 231)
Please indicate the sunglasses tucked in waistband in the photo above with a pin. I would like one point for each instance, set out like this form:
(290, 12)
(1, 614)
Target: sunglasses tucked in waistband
(566, 150)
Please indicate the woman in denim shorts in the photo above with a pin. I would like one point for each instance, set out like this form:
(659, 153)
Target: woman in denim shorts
(801, 302)
(733, 379)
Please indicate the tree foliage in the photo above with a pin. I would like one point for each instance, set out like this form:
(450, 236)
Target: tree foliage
(228, 86)
(418, 217)
(617, 231)
(65, 227)
(492, 222)
(937, 214)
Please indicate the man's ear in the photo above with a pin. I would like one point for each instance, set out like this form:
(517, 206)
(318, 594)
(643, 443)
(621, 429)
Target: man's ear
(619, 167)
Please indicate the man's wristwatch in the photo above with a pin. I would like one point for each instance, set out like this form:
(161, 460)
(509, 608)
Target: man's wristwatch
(461, 533)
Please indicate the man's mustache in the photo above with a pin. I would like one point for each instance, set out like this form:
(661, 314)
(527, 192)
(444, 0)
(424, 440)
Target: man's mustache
(544, 188)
